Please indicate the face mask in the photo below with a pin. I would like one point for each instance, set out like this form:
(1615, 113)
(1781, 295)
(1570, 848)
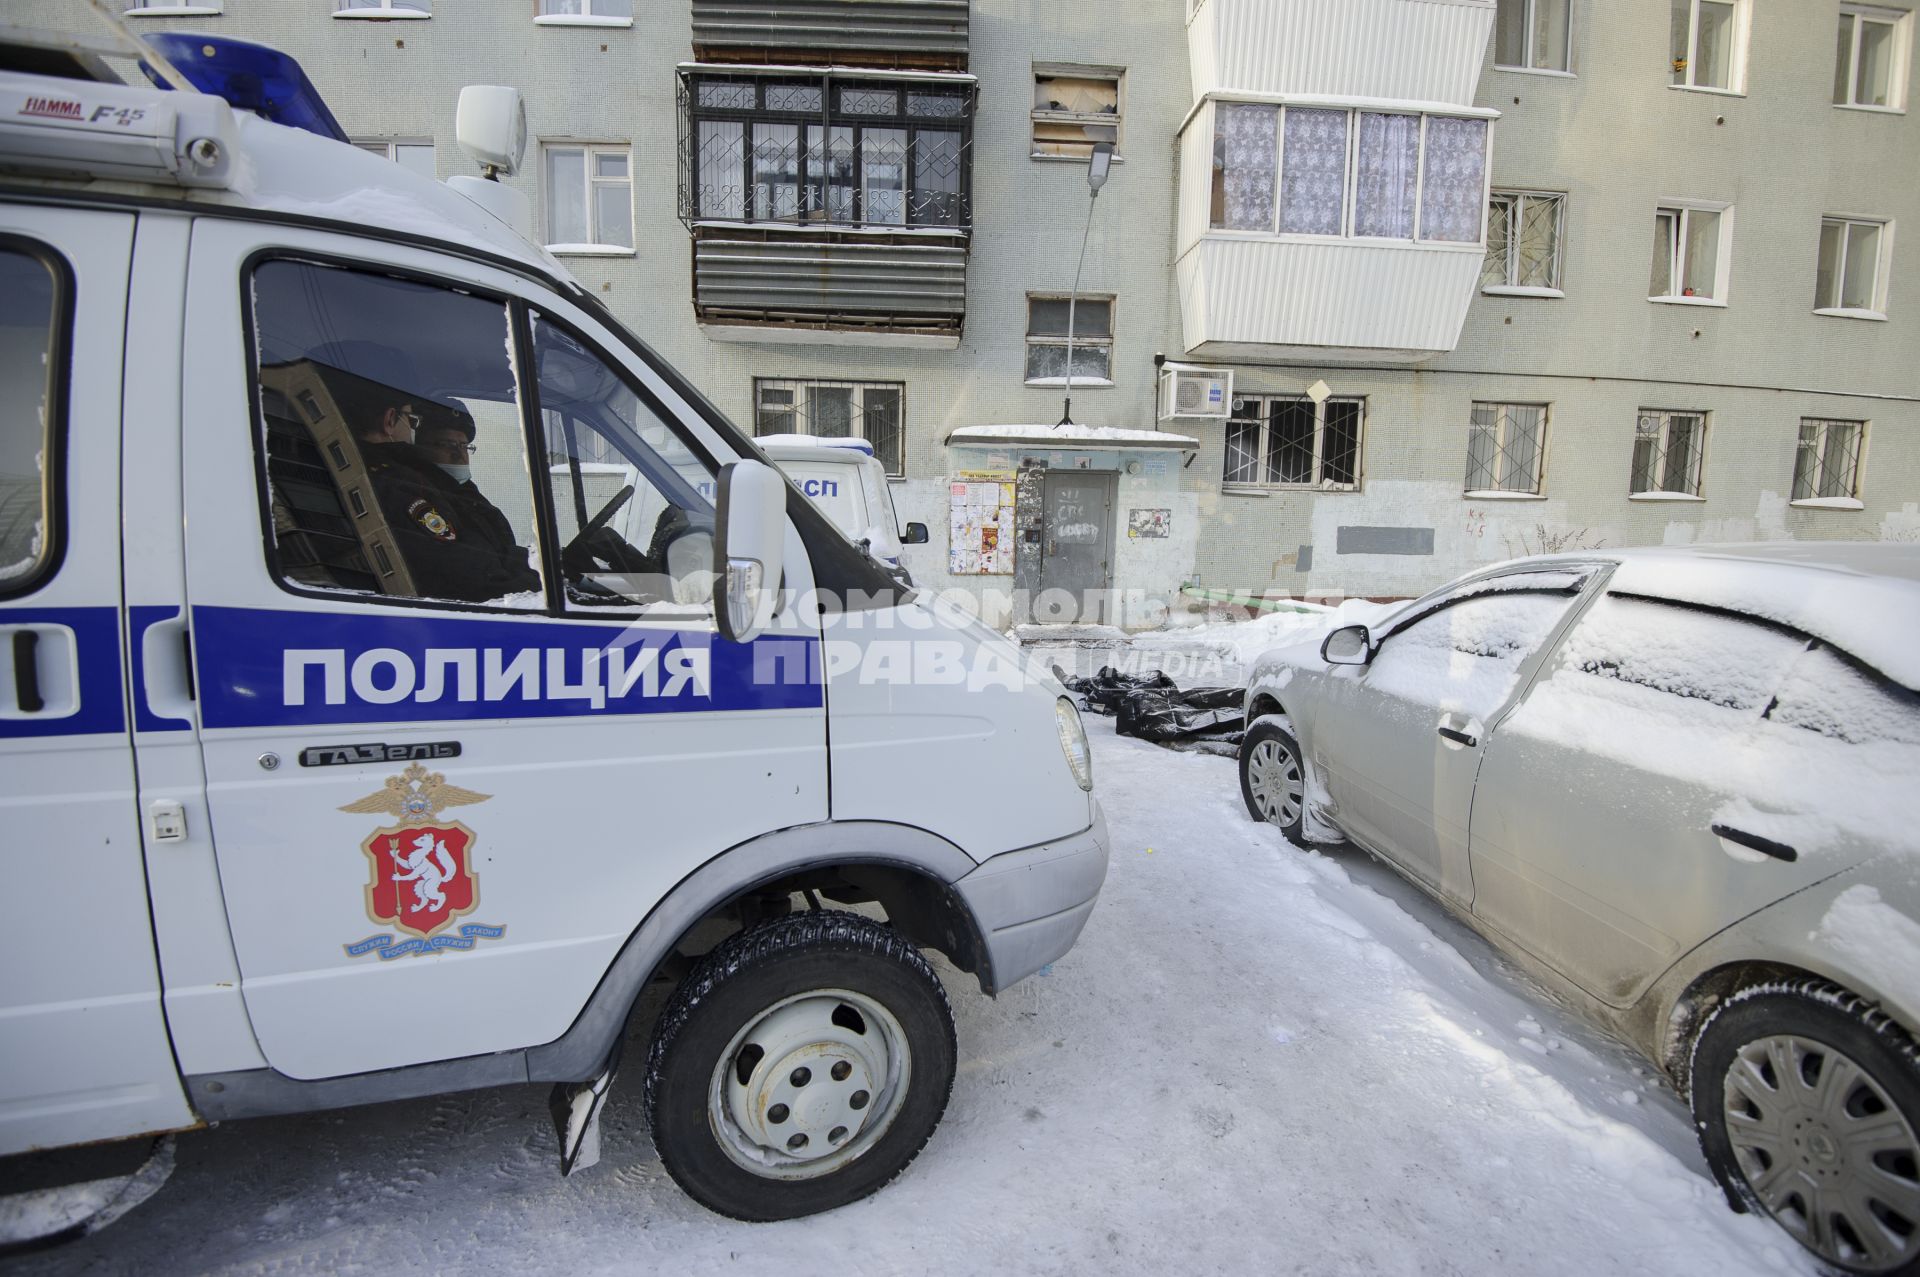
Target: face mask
(459, 474)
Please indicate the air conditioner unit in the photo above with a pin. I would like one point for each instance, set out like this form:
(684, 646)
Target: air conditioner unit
(1187, 391)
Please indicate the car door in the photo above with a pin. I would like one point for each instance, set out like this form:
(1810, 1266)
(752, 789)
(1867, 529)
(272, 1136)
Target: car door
(84, 1053)
(1399, 740)
(460, 733)
(1639, 797)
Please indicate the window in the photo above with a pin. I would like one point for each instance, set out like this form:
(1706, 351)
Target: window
(1670, 650)
(173, 8)
(415, 157)
(33, 339)
(1505, 445)
(1466, 655)
(1870, 65)
(1826, 465)
(1709, 43)
(1073, 108)
(840, 152)
(589, 197)
(1048, 320)
(870, 410)
(395, 458)
(1532, 35)
(1852, 274)
(631, 501)
(591, 12)
(1690, 253)
(1419, 177)
(1283, 441)
(1667, 451)
(383, 8)
(1523, 241)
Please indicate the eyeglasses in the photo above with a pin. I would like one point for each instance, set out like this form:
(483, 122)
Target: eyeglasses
(451, 445)
(409, 416)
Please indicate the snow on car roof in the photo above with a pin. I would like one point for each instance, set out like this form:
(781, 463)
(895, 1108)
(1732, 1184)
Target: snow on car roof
(776, 445)
(1864, 598)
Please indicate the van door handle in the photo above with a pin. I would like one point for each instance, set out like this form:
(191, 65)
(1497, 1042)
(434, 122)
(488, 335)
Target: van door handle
(26, 672)
(1765, 846)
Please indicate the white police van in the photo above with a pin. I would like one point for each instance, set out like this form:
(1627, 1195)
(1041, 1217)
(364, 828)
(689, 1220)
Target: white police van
(350, 751)
(849, 485)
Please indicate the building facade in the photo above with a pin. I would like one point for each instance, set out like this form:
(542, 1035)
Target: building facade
(1375, 290)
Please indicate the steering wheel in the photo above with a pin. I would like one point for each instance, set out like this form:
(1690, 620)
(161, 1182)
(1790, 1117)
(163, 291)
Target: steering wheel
(580, 547)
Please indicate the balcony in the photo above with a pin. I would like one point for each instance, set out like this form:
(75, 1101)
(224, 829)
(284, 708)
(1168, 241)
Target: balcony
(1333, 178)
(839, 199)
(926, 34)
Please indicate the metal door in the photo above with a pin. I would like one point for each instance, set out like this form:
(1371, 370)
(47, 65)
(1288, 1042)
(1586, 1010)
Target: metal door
(1078, 547)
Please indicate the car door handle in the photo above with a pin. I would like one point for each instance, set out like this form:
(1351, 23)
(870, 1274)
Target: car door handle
(26, 672)
(1459, 737)
(1765, 846)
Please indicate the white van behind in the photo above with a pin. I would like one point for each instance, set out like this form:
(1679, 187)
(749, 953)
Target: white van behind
(849, 484)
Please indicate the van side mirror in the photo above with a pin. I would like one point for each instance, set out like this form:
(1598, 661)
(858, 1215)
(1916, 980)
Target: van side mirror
(749, 551)
(916, 534)
(1348, 645)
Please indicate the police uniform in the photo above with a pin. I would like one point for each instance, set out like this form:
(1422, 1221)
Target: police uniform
(457, 543)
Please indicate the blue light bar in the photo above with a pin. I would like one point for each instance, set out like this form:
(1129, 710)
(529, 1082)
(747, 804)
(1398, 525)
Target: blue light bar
(249, 76)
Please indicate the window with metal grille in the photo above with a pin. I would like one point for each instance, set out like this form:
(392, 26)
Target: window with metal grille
(870, 410)
(1506, 443)
(826, 151)
(1049, 322)
(1870, 65)
(1523, 240)
(589, 196)
(1826, 465)
(1668, 448)
(1852, 276)
(1281, 441)
(1532, 35)
(1073, 108)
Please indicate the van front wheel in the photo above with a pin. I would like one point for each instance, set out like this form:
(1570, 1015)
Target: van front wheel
(800, 1067)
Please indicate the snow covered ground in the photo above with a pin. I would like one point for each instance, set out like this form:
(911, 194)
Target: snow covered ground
(1257, 1059)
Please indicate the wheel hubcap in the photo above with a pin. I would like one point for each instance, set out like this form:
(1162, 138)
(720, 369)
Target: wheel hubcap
(1273, 777)
(809, 1084)
(1825, 1150)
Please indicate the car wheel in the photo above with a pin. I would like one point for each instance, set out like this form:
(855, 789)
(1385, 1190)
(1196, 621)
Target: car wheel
(1272, 778)
(1807, 1099)
(800, 1067)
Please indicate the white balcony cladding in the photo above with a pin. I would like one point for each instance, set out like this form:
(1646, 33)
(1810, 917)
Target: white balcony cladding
(828, 197)
(1414, 51)
(905, 33)
(1387, 273)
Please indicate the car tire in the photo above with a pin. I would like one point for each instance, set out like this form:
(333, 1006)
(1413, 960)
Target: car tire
(1807, 1100)
(1273, 779)
(801, 1066)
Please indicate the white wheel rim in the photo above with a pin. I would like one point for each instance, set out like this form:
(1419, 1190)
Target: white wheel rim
(1274, 780)
(809, 1084)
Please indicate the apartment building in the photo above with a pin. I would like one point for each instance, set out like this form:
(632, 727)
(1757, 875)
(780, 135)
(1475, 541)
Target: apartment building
(1374, 291)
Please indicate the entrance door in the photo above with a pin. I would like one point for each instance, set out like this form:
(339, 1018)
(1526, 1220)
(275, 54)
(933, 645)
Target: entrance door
(1078, 547)
(83, 1043)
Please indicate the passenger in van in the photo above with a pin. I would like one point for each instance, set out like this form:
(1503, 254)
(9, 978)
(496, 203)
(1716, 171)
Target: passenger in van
(456, 542)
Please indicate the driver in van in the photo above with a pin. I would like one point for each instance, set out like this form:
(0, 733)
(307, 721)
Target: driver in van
(457, 543)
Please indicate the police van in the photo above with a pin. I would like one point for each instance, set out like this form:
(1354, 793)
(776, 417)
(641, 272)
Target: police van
(844, 478)
(385, 703)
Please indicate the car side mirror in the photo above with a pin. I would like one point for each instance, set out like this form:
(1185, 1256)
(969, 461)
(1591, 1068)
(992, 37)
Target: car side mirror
(916, 534)
(1348, 645)
(749, 551)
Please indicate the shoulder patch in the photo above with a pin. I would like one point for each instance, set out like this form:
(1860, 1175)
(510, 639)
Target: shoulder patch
(423, 513)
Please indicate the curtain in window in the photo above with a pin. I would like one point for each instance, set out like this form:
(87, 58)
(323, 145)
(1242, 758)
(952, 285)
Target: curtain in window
(1538, 248)
(1450, 203)
(718, 163)
(1387, 175)
(1245, 138)
(1313, 187)
(567, 196)
(883, 154)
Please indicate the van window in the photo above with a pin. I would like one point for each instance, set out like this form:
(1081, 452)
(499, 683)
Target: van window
(32, 333)
(632, 501)
(396, 459)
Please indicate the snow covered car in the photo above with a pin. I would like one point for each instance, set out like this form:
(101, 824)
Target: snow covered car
(1680, 786)
(848, 483)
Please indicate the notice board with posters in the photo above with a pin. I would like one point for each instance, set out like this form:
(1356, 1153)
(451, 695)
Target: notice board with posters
(980, 525)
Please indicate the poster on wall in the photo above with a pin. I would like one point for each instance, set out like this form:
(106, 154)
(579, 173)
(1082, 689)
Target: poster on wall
(980, 525)
(1148, 523)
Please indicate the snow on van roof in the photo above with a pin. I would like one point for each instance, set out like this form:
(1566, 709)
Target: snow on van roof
(809, 442)
(1864, 598)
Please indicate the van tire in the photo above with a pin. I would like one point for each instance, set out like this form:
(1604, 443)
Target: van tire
(826, 992)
